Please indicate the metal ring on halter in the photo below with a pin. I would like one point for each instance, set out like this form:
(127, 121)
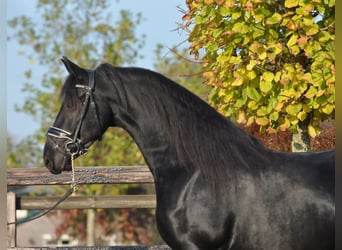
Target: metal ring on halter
(72, 147)
(75, 148)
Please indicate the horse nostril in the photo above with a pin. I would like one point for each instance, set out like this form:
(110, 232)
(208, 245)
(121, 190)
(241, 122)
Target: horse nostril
(46, 161)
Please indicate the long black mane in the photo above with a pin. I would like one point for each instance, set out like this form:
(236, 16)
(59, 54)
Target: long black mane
(197, 131)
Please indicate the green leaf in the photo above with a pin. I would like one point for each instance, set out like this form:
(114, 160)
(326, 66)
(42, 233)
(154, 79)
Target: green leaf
(262, 111)
(240, 102)
(293, 109)
(274, 116)
(262, 121)
(274, 19)
(311, 30)
(265, 86)
(253, 94)
(241, 28)
(291, 3)
(258, 32)
(236, 15)
(311, 92)
(324, 36)
(224, 11)
(328, 108)
(253, 105)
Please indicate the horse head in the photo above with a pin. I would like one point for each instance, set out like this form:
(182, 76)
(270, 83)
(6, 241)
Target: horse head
(77, 125)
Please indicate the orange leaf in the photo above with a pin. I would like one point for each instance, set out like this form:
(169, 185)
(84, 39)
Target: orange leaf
(302, 40)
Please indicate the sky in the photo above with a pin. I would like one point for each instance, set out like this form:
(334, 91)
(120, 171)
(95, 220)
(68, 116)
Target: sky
(160, 20)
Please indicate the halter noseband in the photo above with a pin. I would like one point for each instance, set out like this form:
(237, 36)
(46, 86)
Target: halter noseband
(73, 145)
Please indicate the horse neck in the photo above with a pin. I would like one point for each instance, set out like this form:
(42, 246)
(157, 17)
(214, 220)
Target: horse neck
(170, 126)
(146, 123)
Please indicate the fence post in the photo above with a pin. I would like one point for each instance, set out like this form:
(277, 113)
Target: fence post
(91, 227)
(11, 218)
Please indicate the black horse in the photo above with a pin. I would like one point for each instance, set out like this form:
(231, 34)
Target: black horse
(216, 186)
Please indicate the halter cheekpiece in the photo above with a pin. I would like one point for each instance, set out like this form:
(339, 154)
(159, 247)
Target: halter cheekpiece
(72, 145)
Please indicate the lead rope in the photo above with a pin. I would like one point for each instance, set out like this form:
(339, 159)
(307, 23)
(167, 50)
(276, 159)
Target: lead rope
(73, 180)
(73, 189)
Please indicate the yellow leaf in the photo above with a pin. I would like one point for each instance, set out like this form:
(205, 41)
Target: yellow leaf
(277, 76)
(236, 15)
(253, 105)
(263, 55)
(250, 121)
(262, 121)
(328, 109)
(312, 131)
(294, 50)
(292, 41)
(268, 76)
(311, 92)
(237, 82)
(274, 19)
(293, 109)
(301, 115)
(251, 65)
(235, 60)
(312, 30)
(291, 3)
(307, 77)
(265, 86)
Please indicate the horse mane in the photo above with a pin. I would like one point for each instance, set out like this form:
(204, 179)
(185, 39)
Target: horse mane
(203, 139)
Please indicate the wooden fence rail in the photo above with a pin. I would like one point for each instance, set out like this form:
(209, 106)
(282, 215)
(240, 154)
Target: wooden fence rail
(87, 202)
(160, 247)
(84, 176)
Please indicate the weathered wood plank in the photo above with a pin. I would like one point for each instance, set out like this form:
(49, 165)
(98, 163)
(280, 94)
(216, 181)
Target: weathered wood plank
(84, 175)
(156, 247)
(87, 202)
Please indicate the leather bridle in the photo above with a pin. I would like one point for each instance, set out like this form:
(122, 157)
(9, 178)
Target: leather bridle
(73, 145)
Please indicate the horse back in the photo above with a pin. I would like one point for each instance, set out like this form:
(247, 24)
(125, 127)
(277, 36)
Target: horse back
(314, 170)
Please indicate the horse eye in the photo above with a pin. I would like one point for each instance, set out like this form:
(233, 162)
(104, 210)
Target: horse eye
(69, 105)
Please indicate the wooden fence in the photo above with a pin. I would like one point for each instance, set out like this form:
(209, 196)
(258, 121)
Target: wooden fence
(83, 176)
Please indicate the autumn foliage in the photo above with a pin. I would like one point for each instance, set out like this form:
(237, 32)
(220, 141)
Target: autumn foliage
(271, 63)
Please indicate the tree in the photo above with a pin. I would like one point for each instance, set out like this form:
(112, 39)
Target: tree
(23, 153)
(85, 31)
(271, 63)
(182, 70)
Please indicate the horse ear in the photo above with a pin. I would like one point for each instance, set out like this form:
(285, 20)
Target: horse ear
(78, 72)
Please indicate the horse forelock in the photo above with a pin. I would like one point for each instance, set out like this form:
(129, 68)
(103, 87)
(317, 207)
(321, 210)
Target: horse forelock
(69, 94)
